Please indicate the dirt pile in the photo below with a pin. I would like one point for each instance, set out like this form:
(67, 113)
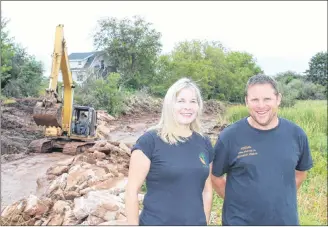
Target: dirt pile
(87, 189)
(214, 107)
(104, 126)
(142, 103)
(17, 126)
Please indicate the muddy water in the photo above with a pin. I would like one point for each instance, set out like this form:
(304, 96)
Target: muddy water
(18, 178)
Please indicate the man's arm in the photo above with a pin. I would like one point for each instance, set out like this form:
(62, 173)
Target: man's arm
(219, 184)
(300, 176)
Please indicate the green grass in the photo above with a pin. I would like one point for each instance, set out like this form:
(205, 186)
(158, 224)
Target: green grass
(6, 100)
(312, 196)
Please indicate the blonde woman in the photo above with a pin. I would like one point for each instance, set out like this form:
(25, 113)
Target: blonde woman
(175, 159)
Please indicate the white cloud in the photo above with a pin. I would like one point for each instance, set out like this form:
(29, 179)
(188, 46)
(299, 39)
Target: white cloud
(281, 35)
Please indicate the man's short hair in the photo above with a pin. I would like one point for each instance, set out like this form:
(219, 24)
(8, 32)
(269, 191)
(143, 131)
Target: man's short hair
(262, 79)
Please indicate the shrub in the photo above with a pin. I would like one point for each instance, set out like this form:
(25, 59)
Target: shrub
(102, 94)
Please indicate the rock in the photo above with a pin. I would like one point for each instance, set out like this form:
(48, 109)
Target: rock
(57, 170)
(14, 209)
(60, 182)
(94, 220)
(81, 175)
(58, 194)
(115, 222)
(99, 155)
(38, 223)
(84, 206)
(125, 148)
(70, 195)
(56, 219)
(69, 218)
(107, 212)
(35, 206)
(51, 177)
(60, 207)
(67, 162)
(106, 184)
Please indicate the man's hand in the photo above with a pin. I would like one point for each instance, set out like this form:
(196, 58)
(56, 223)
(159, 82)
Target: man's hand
(300, 176)
(219, 184)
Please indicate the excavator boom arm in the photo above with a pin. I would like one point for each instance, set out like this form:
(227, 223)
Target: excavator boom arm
(50, 112)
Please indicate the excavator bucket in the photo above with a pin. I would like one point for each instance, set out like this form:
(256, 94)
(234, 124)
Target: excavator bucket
(48, 116)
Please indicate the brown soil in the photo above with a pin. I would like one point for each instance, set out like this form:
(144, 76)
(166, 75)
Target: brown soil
(18, 128)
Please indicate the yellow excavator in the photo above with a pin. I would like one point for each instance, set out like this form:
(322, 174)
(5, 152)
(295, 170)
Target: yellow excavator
(68, 127)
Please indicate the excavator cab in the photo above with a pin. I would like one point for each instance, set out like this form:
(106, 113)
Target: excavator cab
(84, 121)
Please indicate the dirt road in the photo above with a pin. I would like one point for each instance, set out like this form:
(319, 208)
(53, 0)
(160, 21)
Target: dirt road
(18, 178)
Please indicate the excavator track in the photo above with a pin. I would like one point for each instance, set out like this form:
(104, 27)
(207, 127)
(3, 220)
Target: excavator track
(41, 145)
(68, 147)
(74, 148)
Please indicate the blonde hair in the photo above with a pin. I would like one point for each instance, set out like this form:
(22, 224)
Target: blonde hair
(167, 126)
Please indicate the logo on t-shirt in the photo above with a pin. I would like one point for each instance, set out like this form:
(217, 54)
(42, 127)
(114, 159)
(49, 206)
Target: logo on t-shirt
(203, 159)
(246, 151)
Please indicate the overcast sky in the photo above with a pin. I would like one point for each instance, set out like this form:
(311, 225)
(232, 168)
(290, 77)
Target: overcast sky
(281, 35)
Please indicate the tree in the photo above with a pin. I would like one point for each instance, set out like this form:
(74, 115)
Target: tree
(21, 73)
(132, 47)
(7, 52)
(287, 77)
(101, 94)
(220, 74)
(317, 72)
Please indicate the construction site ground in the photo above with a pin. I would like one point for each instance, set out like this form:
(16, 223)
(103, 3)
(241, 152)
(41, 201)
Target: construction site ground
(25, 175)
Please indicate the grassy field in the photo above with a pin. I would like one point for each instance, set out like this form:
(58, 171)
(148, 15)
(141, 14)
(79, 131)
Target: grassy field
(312, 196)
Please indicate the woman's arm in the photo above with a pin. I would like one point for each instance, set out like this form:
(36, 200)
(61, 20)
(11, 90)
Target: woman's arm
(208, 196)
(138, 170)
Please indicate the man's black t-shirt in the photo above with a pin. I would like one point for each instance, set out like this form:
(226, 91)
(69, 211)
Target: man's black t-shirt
(260, 167)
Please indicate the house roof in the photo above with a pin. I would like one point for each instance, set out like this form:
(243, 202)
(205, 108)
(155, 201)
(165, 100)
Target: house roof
(81, 55)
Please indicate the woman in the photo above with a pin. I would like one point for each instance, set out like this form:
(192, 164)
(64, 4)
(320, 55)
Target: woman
(176, 160)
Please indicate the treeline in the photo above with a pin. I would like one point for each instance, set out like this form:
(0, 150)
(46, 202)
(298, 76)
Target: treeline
(294, 87)
(134, 49)
(21, 73)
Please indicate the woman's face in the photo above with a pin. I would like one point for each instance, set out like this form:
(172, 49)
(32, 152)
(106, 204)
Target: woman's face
(186, 106)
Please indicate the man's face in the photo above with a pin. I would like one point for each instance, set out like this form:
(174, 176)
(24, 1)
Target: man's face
(262, 103)
(186, 106)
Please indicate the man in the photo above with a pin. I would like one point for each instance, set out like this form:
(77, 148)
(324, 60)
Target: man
(265, 158)
(82, 124)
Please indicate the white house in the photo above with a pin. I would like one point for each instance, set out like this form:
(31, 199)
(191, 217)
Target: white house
(87, 64)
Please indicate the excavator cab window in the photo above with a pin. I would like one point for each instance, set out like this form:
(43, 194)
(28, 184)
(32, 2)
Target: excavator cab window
(83, 123)
(80, 122)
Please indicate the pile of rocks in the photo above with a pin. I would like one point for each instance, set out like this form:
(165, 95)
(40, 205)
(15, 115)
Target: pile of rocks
(87, 189)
